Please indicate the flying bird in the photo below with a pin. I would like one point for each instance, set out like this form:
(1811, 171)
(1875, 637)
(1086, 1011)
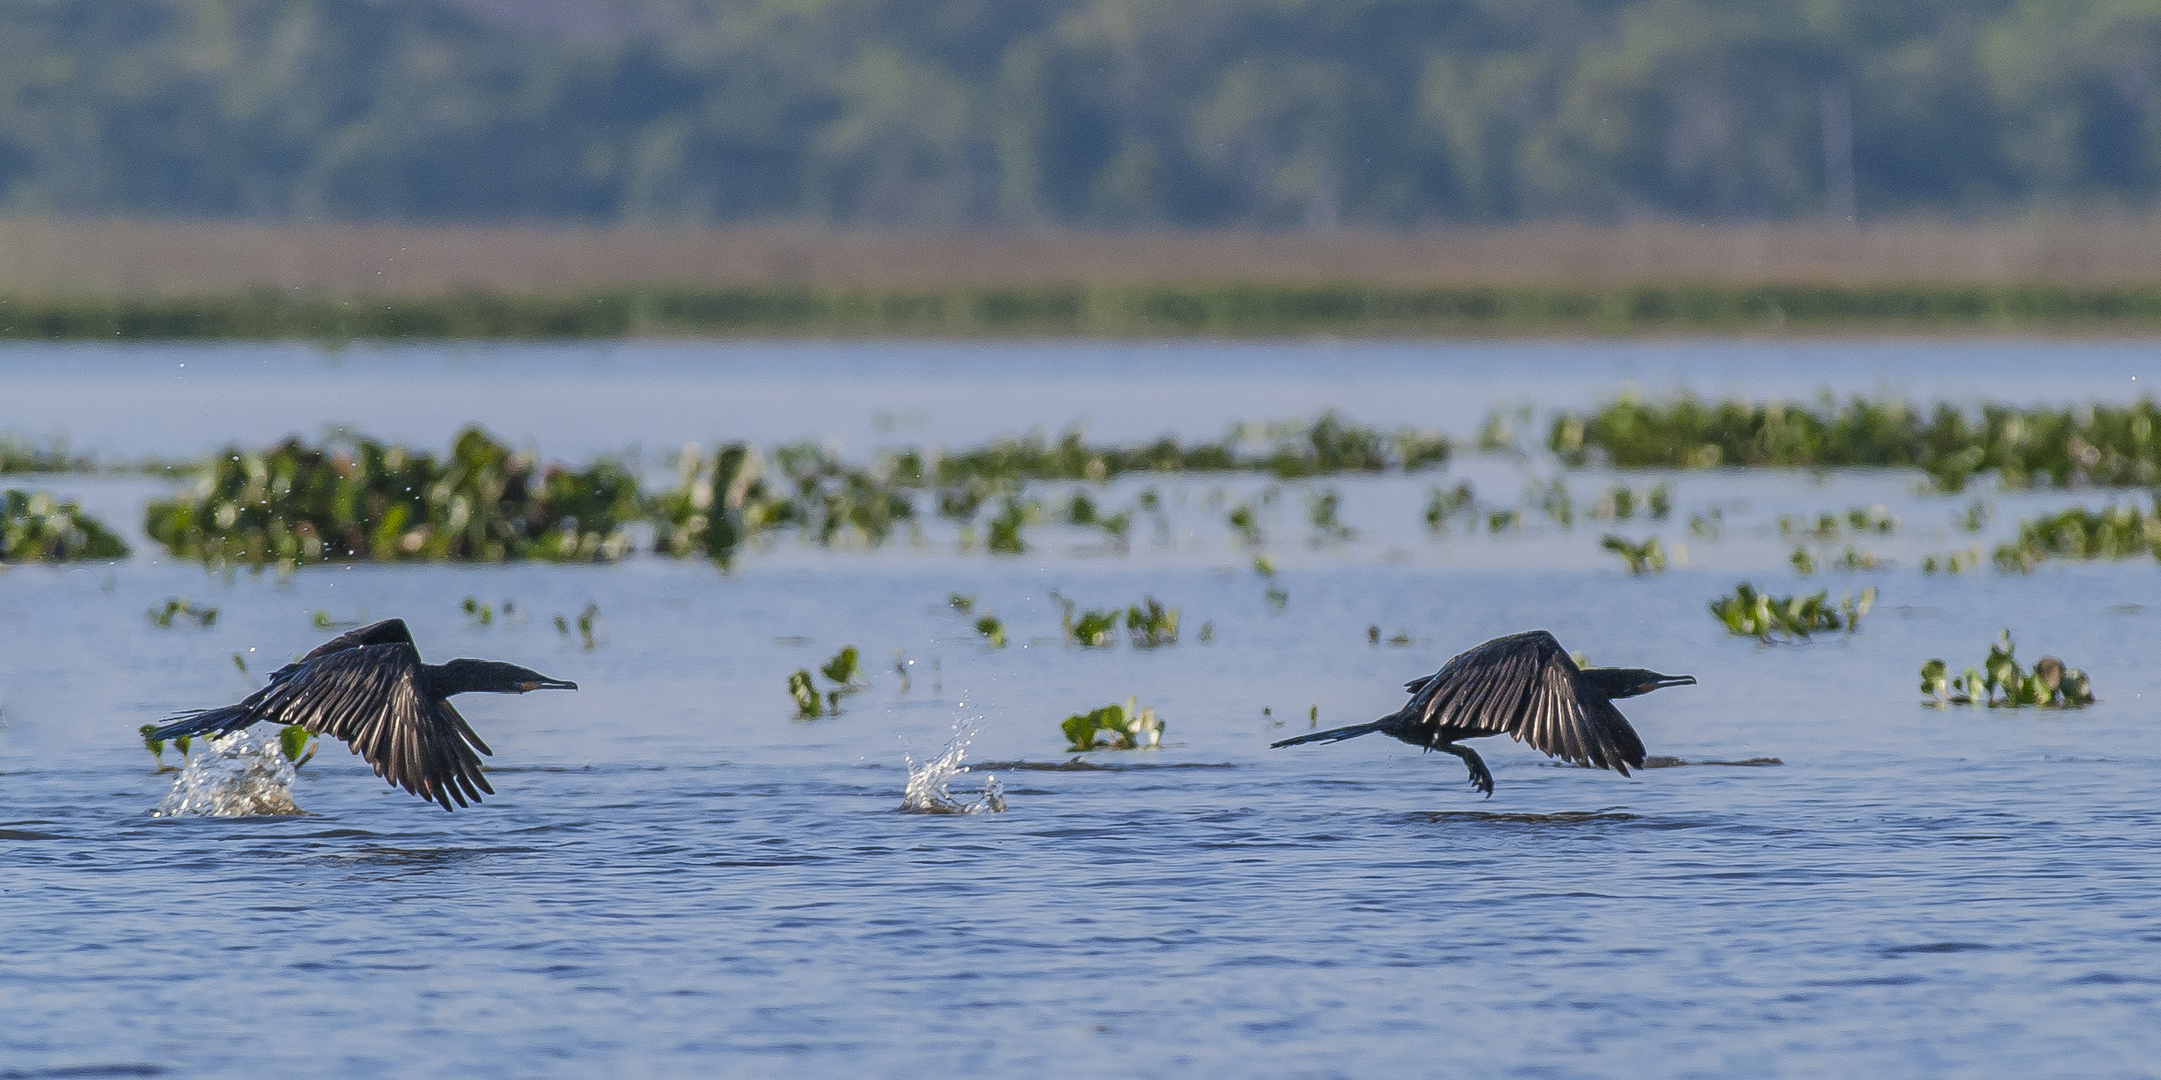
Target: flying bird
(369, 689)
(1526, 687)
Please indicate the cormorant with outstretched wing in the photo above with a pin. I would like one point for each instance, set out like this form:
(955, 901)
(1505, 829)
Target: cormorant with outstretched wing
(1526, 687)
(368, 689)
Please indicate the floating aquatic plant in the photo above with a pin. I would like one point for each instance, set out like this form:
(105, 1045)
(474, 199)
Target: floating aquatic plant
(353, 500)
(2102, 445)
(2117, 532)
(992, 630)
(844, 673)
(156, 746)
(35, 527)
(1013, 515)
(181, 610)
(1322, 509)
(2001, 683)
(963, 603)
(587, 625)
(1113, 727)
(1956, 562)
(1150, 625)
(1445, 504)
(1646, 557)
(1750, 613)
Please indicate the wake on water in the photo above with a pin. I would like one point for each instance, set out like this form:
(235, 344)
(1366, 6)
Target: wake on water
(237, 775)
(929, 783)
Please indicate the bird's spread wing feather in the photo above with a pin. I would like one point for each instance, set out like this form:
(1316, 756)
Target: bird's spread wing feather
(372, 698)
(1525, 686)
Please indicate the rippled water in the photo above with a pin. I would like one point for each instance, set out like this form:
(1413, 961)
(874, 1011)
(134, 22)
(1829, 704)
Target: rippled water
(677, 879)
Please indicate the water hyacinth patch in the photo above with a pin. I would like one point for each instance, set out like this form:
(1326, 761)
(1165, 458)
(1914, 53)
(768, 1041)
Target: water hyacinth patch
(180, 610)
(1647, 557)
(35, 527)
(1749, 613)
(359, 500)
(2118, 532)
(1113, 727)
(845, 674)
(2100, 445)
(2001, 683)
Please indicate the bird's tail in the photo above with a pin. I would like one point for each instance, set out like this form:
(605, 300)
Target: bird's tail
(1336, 734)
(205, 722)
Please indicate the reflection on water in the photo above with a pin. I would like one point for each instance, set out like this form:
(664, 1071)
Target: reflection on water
(244, 774)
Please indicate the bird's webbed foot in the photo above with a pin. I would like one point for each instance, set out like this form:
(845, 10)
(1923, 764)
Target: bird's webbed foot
(1481, 777)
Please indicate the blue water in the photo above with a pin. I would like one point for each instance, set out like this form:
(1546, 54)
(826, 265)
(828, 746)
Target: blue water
(676, 878)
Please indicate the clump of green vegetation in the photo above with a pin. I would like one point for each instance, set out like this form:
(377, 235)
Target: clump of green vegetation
(156, 746)
(1081, 512)
(1245, 522)
(2118, 532)
(2001, 683)
(1445, 504)
(1825, 528)
(1322, 509)
(1622, 503)
(1749, 613)
(961, 602)
(724, 501)
(844, 673)
(1150, 625)
(182, 610)
(19, 455)
(2101, 445)
(35, 527)
(1647, 557)
(992, 630)
(587, 625)
(1113, 727)
(356, 500)
(484, 614)
(1005, 528)
(1956, 562)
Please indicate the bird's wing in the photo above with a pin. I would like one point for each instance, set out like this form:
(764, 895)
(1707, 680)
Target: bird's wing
(1525, 686)
(372, 698)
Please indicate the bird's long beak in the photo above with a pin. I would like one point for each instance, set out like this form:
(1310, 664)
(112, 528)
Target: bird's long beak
(546, 684)
(1664, 681)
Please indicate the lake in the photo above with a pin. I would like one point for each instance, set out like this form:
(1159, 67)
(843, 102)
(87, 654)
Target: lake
(677, 877)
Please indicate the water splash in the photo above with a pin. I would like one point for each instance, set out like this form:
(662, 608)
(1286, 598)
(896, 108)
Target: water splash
(929, 783)
(238, 775)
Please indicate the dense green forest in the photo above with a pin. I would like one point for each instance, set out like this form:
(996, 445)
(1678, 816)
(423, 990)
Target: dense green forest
(1258, 113)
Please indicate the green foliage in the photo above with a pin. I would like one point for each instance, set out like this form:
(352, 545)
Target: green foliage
(587, 626)
(1151, 626)
(1646, 557)
(1749, 613)
(359, 500)
(1113, 727)
(178, 609)
(845, 674)
(297, 744)
(2001, 683)
(1271, 114)
(35, 527)
(1442, 505)
(992, 630)
(19, 455)
(1005, 528)
(1328, 528)
(2118, 532)
(156, 747)
(808, 704)
(1956, 562)
(2105, 445)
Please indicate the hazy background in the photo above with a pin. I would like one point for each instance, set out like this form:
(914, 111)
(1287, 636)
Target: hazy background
(1258, 114)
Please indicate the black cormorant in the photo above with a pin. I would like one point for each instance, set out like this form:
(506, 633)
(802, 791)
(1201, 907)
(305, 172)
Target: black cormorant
(369, 689)
(1524, 686)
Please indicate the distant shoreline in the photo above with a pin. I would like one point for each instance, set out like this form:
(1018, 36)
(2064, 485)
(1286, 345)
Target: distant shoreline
(70, 280)
(1168, 310)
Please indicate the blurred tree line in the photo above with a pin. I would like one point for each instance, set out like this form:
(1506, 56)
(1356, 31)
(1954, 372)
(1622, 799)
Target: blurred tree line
(1267, 113)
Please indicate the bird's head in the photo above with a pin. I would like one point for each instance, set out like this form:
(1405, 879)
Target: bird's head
(1629, 682)
(493, 677)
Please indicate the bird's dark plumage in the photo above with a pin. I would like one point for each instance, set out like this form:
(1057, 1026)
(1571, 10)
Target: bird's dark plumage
(368, 689)
(1526, 687)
